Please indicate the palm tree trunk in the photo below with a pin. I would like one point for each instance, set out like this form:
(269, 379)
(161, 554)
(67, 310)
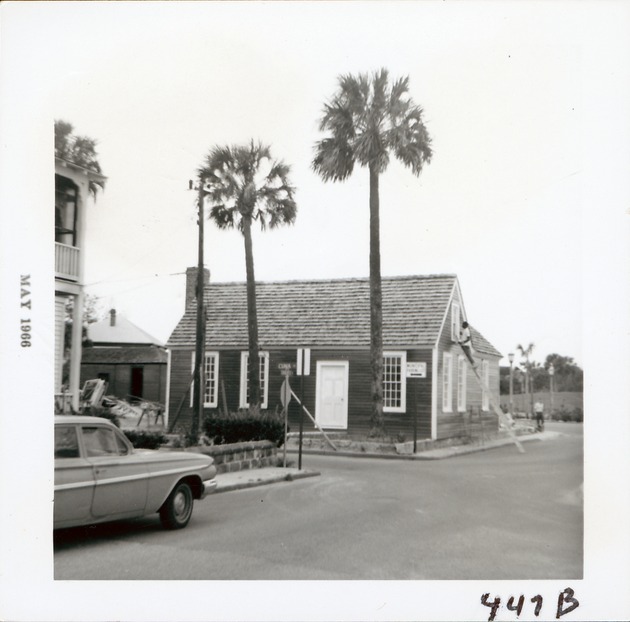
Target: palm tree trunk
(252, 322)
(376, 310)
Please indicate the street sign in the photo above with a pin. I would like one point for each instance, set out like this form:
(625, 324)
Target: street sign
(416, 370)
(285, 393)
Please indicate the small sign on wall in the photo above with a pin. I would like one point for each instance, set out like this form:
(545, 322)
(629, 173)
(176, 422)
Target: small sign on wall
(303, 367)
(416, 370)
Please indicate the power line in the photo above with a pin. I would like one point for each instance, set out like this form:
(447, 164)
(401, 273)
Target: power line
(138, 278)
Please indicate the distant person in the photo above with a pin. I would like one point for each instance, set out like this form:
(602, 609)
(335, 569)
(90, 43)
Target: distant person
(465, 340)
(538, 412)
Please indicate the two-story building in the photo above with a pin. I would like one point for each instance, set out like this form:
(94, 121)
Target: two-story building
(72, 184)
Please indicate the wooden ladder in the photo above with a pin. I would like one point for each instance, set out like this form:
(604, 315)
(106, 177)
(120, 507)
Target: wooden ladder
(500, 414)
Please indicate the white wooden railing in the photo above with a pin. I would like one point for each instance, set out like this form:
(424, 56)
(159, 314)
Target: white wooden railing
(66, 261)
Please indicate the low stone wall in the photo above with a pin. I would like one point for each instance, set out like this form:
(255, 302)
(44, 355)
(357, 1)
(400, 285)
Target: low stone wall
(241, 456)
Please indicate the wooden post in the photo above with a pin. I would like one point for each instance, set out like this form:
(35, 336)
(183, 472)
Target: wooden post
(199, 355)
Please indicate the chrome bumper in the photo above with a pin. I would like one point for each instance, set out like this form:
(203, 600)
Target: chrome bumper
(209, 486)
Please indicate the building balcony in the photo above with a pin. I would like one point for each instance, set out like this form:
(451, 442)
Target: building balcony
(66, 262)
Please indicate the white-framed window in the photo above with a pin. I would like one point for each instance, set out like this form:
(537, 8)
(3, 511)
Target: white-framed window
(263, 367)
(455, 323)
(211, 380)
(485, 379)
(394, 382)
(461, 383)
(447, 382)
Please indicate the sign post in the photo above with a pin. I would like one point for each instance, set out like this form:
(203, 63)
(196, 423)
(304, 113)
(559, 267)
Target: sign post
(303, 369)
(286, 369)
(416, 370)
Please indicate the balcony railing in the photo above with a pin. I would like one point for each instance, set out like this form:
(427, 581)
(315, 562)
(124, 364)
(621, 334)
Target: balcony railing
(66, 262)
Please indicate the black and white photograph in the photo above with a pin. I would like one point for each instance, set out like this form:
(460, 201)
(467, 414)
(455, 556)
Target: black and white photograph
(333, 325)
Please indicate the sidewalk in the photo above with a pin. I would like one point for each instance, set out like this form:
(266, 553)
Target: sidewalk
(260, 477)
(458, 450)
(433, 454)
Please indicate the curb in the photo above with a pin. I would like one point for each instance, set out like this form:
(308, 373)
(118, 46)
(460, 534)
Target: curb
(263, 481)
(429, 454)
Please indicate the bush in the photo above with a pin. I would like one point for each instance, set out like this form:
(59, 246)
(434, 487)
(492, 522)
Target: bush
(564, 414)
(143, 439)
(241, 427)
(102, 411)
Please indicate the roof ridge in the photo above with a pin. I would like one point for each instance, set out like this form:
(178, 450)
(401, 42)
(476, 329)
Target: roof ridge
(362, 279)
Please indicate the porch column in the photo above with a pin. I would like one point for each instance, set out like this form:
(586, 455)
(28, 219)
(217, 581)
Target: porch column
(75, 349)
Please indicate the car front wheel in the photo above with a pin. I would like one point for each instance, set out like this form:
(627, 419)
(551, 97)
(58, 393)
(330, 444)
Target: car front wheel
(177, 509)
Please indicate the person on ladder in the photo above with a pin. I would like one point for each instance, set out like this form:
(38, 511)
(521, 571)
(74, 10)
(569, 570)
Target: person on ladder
(465, 341)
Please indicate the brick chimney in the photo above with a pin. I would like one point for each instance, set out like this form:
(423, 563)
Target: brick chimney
(112, 317)
(191, 284)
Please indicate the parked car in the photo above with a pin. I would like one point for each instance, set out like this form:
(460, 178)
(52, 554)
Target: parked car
(100, 477)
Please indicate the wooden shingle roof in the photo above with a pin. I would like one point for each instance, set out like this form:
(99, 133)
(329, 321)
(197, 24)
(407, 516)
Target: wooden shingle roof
(312, 313)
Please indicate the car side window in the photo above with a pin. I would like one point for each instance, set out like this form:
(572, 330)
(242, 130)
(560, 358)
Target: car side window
(66, 442)
(100, 441)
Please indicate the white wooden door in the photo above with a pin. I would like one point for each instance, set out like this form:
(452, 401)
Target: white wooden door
(332, 394)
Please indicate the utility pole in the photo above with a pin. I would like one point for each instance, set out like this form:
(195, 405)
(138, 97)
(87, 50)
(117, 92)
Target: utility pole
(199, 337)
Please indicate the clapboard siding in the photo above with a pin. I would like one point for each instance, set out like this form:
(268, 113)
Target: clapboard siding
(418, 391)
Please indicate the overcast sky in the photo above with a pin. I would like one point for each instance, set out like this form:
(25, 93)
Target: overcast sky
(499, 205)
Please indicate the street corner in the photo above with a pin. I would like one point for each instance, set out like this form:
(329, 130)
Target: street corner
(239, 480)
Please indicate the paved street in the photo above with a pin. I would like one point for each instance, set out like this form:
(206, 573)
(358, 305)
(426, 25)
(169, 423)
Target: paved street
(496, 514)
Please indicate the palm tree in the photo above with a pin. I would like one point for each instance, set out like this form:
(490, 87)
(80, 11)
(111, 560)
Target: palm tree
(526, 353)
(244, 184)
(366, 120)
(80, 150)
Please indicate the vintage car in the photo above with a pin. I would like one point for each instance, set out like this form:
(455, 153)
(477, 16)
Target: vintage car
(100, 477)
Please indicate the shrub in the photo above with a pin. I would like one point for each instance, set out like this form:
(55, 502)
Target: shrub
(241, 427)
(102, 411)
(563, 414)
(144, 439)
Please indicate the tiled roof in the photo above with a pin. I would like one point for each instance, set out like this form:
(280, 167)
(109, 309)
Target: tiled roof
(129, 355)
(123, 332)
(322, 313)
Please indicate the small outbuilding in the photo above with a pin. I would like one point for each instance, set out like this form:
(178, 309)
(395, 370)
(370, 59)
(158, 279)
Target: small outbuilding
(430, 391)
(132, 362)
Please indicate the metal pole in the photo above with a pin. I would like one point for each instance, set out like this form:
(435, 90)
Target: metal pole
(551, 388)
(511, 390)
(415, 422)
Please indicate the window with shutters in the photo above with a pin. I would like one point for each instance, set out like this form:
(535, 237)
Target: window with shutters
(263, 370)
(447, 382)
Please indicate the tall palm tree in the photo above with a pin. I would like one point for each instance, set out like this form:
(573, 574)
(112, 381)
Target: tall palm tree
(526, 353)
(245, 184)
(366, 120)
(80, 150)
